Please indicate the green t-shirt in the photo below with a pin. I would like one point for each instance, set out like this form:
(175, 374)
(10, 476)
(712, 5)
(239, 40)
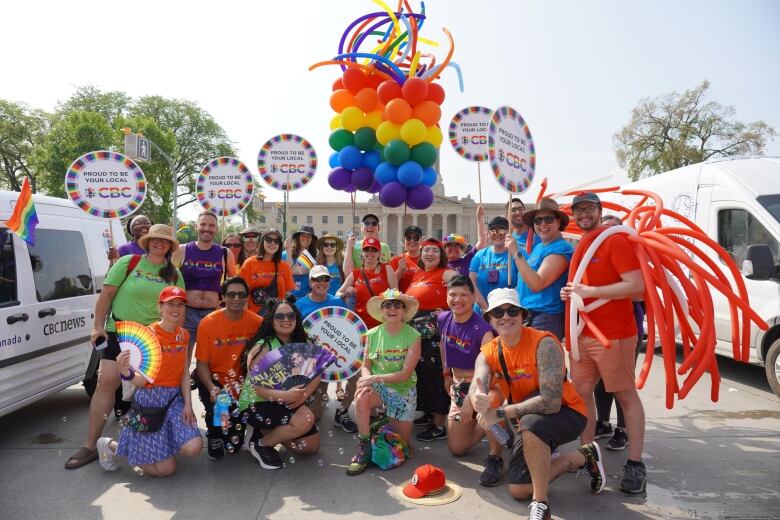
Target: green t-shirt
(388, 353)
(384, 256)
(248, 396)
(136, 299)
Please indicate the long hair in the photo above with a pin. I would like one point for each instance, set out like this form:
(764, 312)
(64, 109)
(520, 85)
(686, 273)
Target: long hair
(298, 248)
(168, 272)
(322, 260)
(266, 331)
(240, 258)
(261, 250)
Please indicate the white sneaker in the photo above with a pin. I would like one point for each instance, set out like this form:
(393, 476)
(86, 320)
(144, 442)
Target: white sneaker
(108, 458)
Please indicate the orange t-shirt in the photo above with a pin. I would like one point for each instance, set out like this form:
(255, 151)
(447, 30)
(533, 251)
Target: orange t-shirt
(220, 342)
(411, 269)
(613, 258)
(174, 352)
(260, 273)
(377, 280)
(523, 370)
(429, 289)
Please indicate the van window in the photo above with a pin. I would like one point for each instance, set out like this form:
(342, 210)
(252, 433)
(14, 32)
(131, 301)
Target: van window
(738, 229)
(60, 265)
(772, 204)
(7, 269)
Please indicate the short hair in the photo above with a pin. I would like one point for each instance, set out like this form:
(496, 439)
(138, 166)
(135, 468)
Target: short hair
(461, 281)
(235, 280)
(207, 213)
(514, 199)
(611, 217)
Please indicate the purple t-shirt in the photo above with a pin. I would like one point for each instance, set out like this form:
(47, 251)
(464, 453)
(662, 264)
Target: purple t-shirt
(202, 270)
(131, 248)
(462, 341)
(461, 265)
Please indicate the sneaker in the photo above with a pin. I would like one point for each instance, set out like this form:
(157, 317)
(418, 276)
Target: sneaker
(345, 422)
(538, 511)
(434, 433)
(268, 457)
(108, 458)
(619, 440)
(361, 460)
(603, 429)
(634, 477)
(594, 467)
(216, 448)
(493, 472)
(425, 419)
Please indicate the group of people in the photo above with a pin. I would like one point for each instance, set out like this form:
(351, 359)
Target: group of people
(468, 335)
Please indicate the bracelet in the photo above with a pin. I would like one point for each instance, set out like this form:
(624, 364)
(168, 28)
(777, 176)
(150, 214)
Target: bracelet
(128, 377)
(446, 373)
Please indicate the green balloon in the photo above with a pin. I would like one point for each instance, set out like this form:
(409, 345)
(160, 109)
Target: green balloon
(365, 139)
(340, 138)
(424, 154)
(396, 152)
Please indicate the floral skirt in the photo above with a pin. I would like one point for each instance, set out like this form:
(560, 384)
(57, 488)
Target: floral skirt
(431, 395)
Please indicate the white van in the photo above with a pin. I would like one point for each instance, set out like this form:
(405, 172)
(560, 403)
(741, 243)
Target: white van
(737, 203)
(47, 300)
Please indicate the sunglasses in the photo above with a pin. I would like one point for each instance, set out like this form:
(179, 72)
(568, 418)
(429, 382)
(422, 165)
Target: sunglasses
(498, 231)
(548, 219)
(370, 223)
(322, 279)
(393, 304)
(329, 244)
(413, 238)
(251, 237)
(231, 295)
(371, 250)
(499, 312)
(284, 316)
(234, 245)
(269, 240)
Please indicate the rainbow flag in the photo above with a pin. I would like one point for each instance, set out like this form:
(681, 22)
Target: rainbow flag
(24, 218)
(306, 260)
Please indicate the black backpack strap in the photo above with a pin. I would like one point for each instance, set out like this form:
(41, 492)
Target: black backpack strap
(368, 284)
(505, 371)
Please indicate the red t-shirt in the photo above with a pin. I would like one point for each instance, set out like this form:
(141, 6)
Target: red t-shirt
(260, 273)
(221, 342)
(429, 289)
(379, 284)
(174, 351)
(613, 258)
(412, 268)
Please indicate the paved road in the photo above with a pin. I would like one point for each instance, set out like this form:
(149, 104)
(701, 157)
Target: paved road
(705, 460)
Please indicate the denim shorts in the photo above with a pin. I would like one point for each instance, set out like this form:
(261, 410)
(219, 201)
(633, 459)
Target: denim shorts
(192, 319)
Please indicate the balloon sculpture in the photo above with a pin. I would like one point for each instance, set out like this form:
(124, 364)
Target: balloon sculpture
(385, 133)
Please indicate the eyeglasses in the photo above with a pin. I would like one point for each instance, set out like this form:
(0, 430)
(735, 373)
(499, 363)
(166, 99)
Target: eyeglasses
(322, 279)
(284, 316)
(393, 304)
(230, 295)
(579, 210)
(517, 209)
(270, 240)
(234, 245)
(413, 238)
(370, 223)
(498, 231)
(512, 311)
(329, 244)
(251, 237)
(547, 219)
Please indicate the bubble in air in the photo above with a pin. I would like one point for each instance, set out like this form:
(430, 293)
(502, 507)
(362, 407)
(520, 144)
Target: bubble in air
(230, 448)
(321, 463)
(292, 460)
(268, 421)
(234, 439)
(341, 451)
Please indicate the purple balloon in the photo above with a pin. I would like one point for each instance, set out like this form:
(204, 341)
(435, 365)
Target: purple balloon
(350, 188)
(363, 178)
(392, 194)
(419, 197)
(339, 178)
(375, 187)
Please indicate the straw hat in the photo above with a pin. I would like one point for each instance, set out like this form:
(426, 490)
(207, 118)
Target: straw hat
(374, 305)
(339, 242)
(546, 204)
(429, 487)
(158, 231)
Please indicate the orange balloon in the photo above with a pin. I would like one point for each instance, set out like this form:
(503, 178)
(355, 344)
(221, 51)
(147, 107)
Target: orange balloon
(341, 99)
(337, 85)
(435, 93)
(398, 111)
(428, 112)
(353, 79)
(366, 99)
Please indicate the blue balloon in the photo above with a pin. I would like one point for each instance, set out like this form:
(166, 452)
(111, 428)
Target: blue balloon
(350, 158)
(371, 160)
(429, 177)
(386, 173)
(410, 174)
(333, 161)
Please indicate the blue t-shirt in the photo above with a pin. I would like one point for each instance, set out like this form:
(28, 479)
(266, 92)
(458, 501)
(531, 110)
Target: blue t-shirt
(486, 262)
(522, 240)
(335, 278)
(548, 300)
(307, 306)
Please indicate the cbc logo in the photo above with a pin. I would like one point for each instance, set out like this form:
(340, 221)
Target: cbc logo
(227, 194)
(515, 161)
(112, 192)
(289, 168)
(474, 139)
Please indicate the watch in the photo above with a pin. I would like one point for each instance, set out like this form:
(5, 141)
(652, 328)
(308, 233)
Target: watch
(520, 255)
(500, 412)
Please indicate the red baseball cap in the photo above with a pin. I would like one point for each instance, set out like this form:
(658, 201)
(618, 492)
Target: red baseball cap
(372, 242)
(427, 480)
(171, 293)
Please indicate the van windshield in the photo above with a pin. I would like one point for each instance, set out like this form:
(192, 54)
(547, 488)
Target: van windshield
(771, 203)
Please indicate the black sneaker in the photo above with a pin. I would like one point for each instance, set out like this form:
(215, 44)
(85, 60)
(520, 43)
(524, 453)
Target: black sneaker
(268, 457)
(216, 448)
(603, 429)
(634, 479)
(345, 422)
(594, 467)
(425, 419)
(493, 472)
(538, 511)
(434, 433)
(619, 440)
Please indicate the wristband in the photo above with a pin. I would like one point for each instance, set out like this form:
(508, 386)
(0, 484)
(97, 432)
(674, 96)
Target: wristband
(128, 377)
(446, 373)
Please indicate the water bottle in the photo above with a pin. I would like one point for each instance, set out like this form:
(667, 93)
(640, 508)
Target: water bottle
(350, 300)
(222, 409)
(500, 434)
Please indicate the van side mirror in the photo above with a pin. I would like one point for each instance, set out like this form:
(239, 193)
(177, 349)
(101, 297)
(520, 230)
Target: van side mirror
(760, 258)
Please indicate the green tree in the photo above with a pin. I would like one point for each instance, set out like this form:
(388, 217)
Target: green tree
(675, 130)
(21, 130)
(111, 105)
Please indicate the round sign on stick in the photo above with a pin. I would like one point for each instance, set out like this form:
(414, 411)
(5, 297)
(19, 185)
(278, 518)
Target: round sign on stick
(106, 184)
(287, 162)
(511, 150)
(342, 332)
(469, 133)
(224, 186)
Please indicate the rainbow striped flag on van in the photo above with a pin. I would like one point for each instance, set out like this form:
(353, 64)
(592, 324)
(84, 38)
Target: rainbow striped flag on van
(24, 218)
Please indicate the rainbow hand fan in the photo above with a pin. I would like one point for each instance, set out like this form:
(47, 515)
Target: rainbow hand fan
(144, 347)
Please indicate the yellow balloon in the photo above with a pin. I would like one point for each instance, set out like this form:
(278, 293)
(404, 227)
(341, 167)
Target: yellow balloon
(374, 119)
(335, 122)
(434, 136)
(387, 131)
(413, 132)
(352, 118)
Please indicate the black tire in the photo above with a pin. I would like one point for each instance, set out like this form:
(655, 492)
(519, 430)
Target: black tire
(90, 383)
(772, 365)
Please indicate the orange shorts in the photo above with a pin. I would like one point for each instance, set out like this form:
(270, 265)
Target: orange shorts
(614, 365)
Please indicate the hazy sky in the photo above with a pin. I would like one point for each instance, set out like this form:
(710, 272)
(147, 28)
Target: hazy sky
(573, 69)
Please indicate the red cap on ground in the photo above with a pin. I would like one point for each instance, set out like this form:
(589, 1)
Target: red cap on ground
(427, 480)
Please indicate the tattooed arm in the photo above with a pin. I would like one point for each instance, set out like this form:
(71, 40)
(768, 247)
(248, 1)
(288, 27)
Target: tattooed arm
(550, 363)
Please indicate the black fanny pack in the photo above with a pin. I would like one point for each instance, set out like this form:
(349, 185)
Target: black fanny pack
(459, 393)
(147, 419)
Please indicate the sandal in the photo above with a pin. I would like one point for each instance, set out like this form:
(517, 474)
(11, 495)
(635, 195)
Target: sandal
(340, 394)
(82, 457)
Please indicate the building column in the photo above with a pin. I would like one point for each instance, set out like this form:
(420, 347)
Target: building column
(444, 231)
(399, 242)
(459, 224)
(429, 226)
(385, 230)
